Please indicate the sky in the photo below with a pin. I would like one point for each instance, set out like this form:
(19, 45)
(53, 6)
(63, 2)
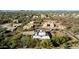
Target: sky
(39, 4)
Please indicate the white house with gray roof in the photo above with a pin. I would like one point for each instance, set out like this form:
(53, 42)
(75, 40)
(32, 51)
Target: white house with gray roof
(41, 34)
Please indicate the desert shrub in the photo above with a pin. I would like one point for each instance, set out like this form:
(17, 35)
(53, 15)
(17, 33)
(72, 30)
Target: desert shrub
(38, 44)
(14, 40)
(1, 36)
(28, 42)
(66, 45)
(56, 41)
(46, 44)
(63, 39)
(3, 43)
(12, 43)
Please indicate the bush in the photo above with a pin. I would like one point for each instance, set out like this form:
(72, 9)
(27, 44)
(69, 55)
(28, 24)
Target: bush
(3, 43)
(14, 40)
(28, 42)
(46, 44)
(67, 45)
(56, 41)
(12, 43)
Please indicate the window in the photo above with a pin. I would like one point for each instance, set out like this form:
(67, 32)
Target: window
(48, 24)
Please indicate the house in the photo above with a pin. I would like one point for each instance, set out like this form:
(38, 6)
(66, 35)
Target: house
(16, 25)
(8, 27)
(35, 17)
(52, 25)
(28, 26)
(61, 27)
(11, 27)
(48, 25)
(31, 24)
(43, 16)
(42, 34)
(36, 24)
(15, 21)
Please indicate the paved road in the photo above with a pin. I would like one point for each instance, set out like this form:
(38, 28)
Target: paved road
(71, 34)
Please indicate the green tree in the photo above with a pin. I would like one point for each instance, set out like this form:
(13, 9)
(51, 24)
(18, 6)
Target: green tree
(14, 40)
(28, 42)
(56, 41)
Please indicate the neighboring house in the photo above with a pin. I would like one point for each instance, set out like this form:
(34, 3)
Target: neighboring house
(61, 27)
(15, 21)
(48, 25)
(31, 24)
(35, 16)
(36, 24)
(43, 16)
(28, 26)
(10, 27)
(52, 25)
(41, 34)
(16, 25)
